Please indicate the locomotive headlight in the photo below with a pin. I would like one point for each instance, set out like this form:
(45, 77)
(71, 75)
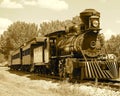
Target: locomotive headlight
(95, 23)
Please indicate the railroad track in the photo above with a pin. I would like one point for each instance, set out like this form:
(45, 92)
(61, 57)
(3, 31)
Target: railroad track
(115, 86)
(111, 84)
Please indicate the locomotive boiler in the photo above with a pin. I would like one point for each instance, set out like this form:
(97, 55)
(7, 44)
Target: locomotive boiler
(71, 53)
(88, 43)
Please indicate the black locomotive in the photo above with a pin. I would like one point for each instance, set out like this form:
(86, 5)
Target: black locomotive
(72, 53)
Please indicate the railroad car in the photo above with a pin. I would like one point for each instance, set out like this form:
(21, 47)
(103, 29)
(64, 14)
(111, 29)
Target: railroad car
(72, 53)
(16, 58)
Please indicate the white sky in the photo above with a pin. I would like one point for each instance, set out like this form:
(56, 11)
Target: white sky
(38, 11)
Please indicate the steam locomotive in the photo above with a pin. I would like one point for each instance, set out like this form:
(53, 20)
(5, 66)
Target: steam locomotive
(72, 53)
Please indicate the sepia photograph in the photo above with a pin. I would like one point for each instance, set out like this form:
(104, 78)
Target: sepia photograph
(59, 48)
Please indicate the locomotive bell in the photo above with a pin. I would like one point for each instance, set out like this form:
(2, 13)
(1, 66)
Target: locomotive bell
(90, 18)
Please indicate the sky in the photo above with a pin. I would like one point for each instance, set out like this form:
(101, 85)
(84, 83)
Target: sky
(38, 11)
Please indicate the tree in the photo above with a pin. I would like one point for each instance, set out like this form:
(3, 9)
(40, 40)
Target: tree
(76, 20)
(21, 32)
(17, 34)
(49, 27)
(113, 45)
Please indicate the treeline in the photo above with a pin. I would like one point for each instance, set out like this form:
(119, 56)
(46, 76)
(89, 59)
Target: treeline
(20, 32)
(113, 45)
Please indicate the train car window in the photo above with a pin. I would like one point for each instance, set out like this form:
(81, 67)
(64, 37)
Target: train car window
(53, 46)
(16, 56)
(23, 53)
(45, 43)
(26, 52)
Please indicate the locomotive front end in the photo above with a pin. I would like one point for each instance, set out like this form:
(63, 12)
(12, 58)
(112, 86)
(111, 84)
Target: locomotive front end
(89, 44)
(83, 39)
(92, 40)
(85, 44)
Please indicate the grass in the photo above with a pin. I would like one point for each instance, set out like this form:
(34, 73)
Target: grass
(67, 89)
